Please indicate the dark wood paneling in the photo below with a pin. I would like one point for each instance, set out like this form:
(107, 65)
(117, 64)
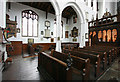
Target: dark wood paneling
(25, 48)
(45, 46)
(87, 43)
(17, 47)
(104, 24)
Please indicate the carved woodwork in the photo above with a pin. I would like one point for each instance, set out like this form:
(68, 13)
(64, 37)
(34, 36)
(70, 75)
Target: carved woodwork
(54, 67)
(10, 29)
(105, 31)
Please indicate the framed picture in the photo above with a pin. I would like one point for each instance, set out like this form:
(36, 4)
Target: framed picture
(86, 35)
(18, 30)
(58, 38)
(41, 32)
(47, 23)
(74, 19)
(74, 39)
(30, 40)
(52, 39)
(66, 34)
(51, 33)
(74, 32)
(47, 32)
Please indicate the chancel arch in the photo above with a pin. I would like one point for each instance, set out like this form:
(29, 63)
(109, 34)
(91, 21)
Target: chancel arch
(80, 18)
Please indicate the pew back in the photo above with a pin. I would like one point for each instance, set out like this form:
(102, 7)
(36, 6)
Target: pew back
(54, 67)
(79, 63)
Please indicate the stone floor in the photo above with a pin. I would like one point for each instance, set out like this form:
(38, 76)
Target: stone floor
(22, 69)
(112, 73)
(26, 69)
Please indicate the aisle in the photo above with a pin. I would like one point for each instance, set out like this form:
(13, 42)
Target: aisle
(113, 72)
(22, 69)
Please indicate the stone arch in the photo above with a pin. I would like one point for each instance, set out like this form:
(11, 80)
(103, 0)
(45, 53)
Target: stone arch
(81, 16)
(55, 6)
(77, 9)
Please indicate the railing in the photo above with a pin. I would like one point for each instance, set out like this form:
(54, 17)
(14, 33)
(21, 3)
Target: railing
(104, 21)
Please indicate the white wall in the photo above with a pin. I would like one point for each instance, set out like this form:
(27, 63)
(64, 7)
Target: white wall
(79, 6)
(112, 7)
(101, 9)
(2, 24)
(16, 10)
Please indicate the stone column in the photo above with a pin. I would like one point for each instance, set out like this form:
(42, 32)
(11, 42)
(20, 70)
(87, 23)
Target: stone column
(3, 22)
(89, 3)
(82, 35)
(95, 7)
(58, 32)
(3, 25)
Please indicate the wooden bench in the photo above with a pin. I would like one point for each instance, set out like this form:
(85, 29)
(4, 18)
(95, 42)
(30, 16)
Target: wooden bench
(94, 59)
(31, 50)
(54, 67)
(110, 52)
(116, 49)
(69, 45)
(103, 56)
(107, 48)
(81, 64)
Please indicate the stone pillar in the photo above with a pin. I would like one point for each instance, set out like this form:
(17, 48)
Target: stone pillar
(3, 25)
(58, 32)
(95, 8)
(89, 3)
(3, 22)
(82, 35)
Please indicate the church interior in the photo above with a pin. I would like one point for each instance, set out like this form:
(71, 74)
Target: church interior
(51, 40)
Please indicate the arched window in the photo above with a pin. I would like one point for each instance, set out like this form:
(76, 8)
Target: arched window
(114, 35)
(29, 23)
(104, 35)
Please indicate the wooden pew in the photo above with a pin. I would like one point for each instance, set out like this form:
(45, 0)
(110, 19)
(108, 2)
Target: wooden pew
(116, 49)
(79, 63)
(31, 50)
(103, 56)
(110, 53)
(107, 48)
(54, 67)
(94, 59)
